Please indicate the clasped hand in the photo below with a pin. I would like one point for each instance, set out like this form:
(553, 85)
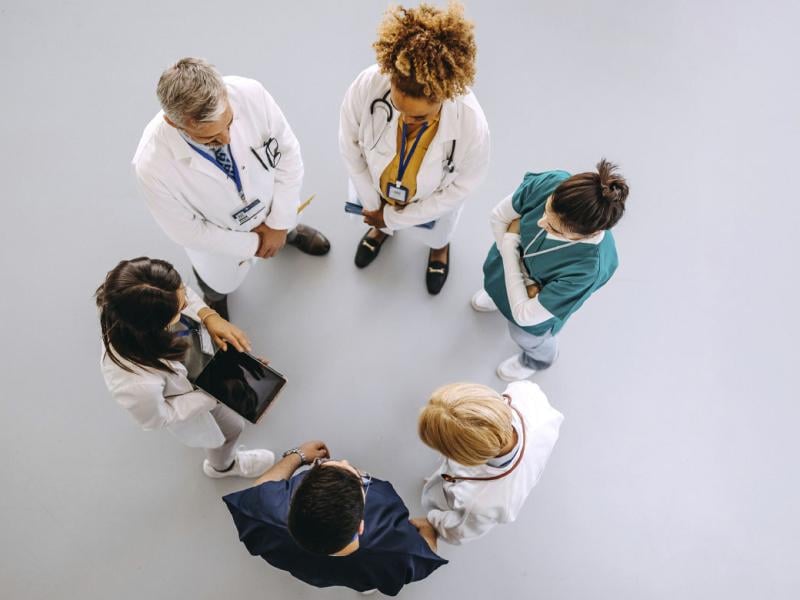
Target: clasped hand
(270, 241)
(374, 218)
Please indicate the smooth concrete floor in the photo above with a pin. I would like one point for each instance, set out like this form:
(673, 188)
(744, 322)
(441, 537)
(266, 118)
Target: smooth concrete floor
(676, 474)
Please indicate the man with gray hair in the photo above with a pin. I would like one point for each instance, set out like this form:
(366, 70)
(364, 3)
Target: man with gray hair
(221, 172)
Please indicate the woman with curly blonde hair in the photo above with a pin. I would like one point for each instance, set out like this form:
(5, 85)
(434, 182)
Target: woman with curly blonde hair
(413, 136)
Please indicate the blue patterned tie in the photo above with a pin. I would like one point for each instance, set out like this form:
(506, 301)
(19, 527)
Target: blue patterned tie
(224, 160)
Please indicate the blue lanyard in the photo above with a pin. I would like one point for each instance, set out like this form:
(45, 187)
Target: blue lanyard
(236, 179)
(190, 327)
(405, 160)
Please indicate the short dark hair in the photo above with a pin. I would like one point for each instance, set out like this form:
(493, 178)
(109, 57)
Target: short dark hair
(590, 202)
(326, 509)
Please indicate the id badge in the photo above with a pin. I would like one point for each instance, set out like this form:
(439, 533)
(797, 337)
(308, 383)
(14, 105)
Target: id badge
(206, 343)
(397, 192)
(247, 213)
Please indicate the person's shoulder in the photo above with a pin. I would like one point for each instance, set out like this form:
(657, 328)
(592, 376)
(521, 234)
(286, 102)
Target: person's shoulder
(531, 401)
(237, 83)
(371, 78)
(152, 147)
(264, 502)
(535, 188)
(472, 109)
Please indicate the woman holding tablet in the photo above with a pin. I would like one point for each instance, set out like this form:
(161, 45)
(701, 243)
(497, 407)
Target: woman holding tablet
(147, 316)
(413, 137)
(554, 250)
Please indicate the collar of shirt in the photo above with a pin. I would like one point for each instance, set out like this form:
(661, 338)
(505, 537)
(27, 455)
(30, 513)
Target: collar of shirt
(202, 147)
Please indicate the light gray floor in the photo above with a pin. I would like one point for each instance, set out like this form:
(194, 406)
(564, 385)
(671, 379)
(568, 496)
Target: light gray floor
(676, 473)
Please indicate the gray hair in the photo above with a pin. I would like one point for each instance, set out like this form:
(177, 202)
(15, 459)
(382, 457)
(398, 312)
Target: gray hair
(191, 89)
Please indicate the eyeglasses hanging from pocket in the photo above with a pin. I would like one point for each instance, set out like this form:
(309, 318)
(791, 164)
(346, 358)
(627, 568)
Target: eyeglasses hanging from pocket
(269, 154)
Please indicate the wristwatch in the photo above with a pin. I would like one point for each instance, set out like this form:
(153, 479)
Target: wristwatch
(303, 459)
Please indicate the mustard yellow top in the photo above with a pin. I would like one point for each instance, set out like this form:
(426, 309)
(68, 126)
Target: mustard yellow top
(389, 174)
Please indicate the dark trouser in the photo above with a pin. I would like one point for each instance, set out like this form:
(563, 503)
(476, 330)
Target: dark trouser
(209, 293)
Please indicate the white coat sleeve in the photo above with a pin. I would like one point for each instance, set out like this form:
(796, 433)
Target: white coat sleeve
(460, 525)
(187, 228)
(194, 304)
(288, 172)
(355, 99)
(471, 173)
(501, 216)
(145, 401)
(526, 311)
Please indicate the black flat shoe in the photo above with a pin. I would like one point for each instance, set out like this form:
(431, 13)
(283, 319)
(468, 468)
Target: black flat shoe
(368, 249)
(308, 240)
(436, 273)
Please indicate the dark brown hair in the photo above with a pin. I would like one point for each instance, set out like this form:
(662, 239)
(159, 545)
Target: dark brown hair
(590, 202)
(326, 509)
(427, 51)
(137, 301)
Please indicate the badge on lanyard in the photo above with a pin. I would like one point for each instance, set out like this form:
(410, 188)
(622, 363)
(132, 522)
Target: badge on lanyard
(206, 344)
(247, 213)
(397, 192)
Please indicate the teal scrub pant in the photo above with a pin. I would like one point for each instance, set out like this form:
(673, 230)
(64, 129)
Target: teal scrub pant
(538, 351)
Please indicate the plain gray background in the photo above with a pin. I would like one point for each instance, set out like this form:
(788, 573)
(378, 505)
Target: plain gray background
(676, 472)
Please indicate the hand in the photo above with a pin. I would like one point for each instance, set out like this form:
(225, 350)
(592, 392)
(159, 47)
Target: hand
(513, 227)
(426, 530)
(270, 241)
(533, 290)
(222, 332)
(374, 218)
(314, 450)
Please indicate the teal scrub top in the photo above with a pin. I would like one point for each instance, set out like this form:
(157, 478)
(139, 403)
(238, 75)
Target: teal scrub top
(567, 277)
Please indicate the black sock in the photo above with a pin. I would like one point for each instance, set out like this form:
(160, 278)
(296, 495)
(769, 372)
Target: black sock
(226, 469)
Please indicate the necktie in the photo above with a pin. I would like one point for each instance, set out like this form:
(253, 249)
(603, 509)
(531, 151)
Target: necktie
(224, 160)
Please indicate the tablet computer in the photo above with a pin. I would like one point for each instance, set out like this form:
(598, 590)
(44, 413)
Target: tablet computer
(241, 382)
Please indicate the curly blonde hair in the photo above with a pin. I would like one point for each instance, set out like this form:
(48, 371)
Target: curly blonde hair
(427, 51)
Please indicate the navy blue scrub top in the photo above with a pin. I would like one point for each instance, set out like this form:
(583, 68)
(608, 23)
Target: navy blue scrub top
(391, 552)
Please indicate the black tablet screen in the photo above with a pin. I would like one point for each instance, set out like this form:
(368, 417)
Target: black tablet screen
(241, 382)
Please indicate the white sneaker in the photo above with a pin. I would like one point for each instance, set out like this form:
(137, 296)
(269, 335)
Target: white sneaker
(482, 302)
(512, 369)
(248, 463)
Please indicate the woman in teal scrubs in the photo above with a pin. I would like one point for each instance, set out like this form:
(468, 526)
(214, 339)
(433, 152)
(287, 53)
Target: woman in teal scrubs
(554, 250)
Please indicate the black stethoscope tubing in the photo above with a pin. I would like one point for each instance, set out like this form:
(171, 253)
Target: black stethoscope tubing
(450, 165)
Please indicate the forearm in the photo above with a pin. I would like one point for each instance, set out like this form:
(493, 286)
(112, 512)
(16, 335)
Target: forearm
(500, 217)
(283, 469)
(526, 311)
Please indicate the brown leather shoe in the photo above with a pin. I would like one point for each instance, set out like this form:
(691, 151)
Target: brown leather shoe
(308, 240)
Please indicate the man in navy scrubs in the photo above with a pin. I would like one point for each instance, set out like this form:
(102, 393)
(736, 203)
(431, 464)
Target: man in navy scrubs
(333, 525)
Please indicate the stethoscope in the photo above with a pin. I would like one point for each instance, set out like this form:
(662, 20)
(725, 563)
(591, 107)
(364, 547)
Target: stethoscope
(385, 105)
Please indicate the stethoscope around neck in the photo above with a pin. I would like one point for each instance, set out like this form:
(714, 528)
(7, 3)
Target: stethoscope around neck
(384, 104)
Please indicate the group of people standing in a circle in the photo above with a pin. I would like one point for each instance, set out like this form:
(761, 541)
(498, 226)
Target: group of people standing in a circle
(221, 172)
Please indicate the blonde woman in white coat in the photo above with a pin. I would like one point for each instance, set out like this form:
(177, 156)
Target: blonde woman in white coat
(495, 449)
(413, 137)
(144, 310)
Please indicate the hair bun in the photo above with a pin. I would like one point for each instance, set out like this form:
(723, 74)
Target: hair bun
(613, 187)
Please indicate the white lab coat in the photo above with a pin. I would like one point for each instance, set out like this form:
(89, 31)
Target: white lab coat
(466, 510)
(193, 200)
(368, 144)
(158, 399)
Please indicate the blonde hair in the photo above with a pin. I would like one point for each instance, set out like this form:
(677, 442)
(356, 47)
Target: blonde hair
(427, 51)
(469, 423)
